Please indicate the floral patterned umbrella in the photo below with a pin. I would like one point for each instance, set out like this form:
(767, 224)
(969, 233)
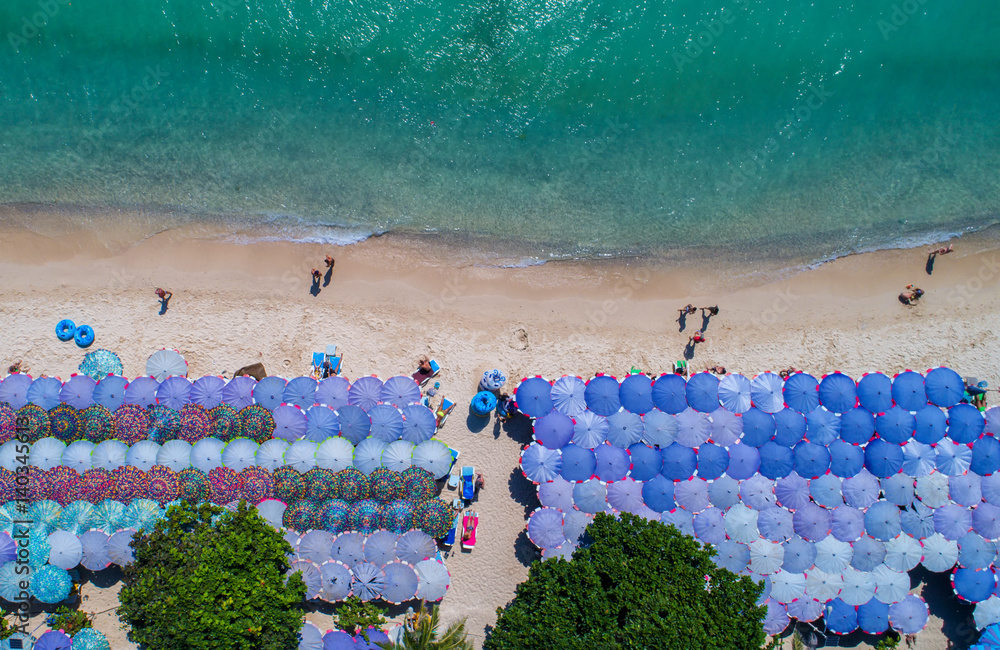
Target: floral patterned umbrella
(75, 517)
(7, 486)
(398, 516)
(433, 517)
(257, 422)
(98, 423)
(39, 484)
(108, 516)
(164, 424)
(131, 423)
(226, 422)
(8, 422)
(334, 516)
(142, 514)
(130, 482)
(386, 485)
(255, 485)
(95, 485)
(162, 484)
(196, 424)
(37, 421)
(65, 484)
(225, 484)
(288, 484)
(354, 485)
(364, 516)
(101, 363)
(320, 485)
(192, 485)
(65, 423)
(300, 516)
(419, 484)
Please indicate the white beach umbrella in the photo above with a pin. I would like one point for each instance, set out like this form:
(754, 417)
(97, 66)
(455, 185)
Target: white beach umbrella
(890, 586)
(240, 454)
(786, 587)
(271, 454)
(66, 550)
(109, 454)
(272, 511)
(301, 455)
(175, 454)
(164, 363)
(765, 556)
(335, 454)
(143, 454)
(904, 553)
(78, 455)
(823, 586)
(987, 612)
(940, 554)
(47, 453)
(741, 524)
(206, 454)
(932, 489)
(833, 555)
(859, 587)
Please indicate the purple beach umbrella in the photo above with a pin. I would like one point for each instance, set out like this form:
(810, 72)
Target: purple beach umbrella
(301, 391)
(540, 464)
(110, 392)
(734, 393)
(142, 391)
(44, 392)
(545, 528)
(174, 392)
(238, 393)
(78, 392)
(333, 391)
(207, 391)
(533, 396)
(569, 395)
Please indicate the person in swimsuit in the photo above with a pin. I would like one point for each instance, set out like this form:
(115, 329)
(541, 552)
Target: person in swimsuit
(697, 337)
(712, 311)
(689, 309)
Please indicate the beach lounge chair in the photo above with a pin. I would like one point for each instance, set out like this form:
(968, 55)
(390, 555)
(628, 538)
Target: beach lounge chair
(469, 524)
(317, 364)
(681, 368)
(468, 482)
(449, 539)
(453, 479)
(421, 377)
(442, 413)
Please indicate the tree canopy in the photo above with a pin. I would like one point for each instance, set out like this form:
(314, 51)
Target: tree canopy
(207, 578)
(632, 584)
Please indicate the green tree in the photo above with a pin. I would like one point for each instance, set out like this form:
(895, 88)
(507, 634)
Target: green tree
(425, 636)
(207, 578)
(632, 584)
(355, 615)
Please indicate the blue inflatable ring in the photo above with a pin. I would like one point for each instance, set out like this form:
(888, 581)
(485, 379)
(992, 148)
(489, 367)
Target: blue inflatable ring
(84, 336)
(65, 330)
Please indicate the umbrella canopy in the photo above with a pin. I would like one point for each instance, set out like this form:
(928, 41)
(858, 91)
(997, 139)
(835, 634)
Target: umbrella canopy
(533, 396)
(896, 425)
(670, 393)
(238, 393)
(206, 454)
(78, 392)
(930, 424)
(734, 393)
(847, 524)
(120, 550)
(882, 520)
(908, 390)
(986, 520)
(355, 424)
(766, 390)
(301, 391)
(590, 430)
(757, 492)
(659, 428)
(333, 392)
(944, 387)
(765, 556)
(602, 394)
(744, 461)
(987, 613)
(174, 392)
(272, 511)
(875, 392)
(990, 486)
(658, 494)
(289, 422)
(758, 427)
(143, 455)
(933, 489)
(142, 514)
(269, 392)
(692, 428)
(568, 395)
(890, 586)
(624, 428)
(952, 521)
(611, 463)
(811, 460)
(903, 553)
(414, 546)
(732, 556)
(433, 580)
(823, 586)
(679, 462)
(811, 522)
(419, 423)
(822, 426)
(545, 528)
(400, 582)
(776, 619)
(846, 460)
(44, 392)
(974, 585)
(790, 427)
(741, 524)
(792, 491)
(827, 491)
(47, 453)
(833, 555)
(591, 496)
(14, 390)
(398, 455)
(883, 459)
(857, 426)
(578, 463)
(838, 393)
(940, 553)
(919, 459)
(321, 423)
(109, 454)
(140, 391)
(311, 576)
(301, 455)
(713, 461)
(692, 494)
(387, 422)
(985, 456)
(557, 493)
(840, 617)
(435, 457)
(898, 489)
(724, 492)
(540, 464)
(974, 552)
(314, 545)
(787, 586)
(164, 363)
(239, 454)
(965, 423)
(801, 392)
(703, 392)
(207, 391)
(336, 579)
(50, 584)
(66, 550)
(366, 392)
(333, 453)
(859, 587)
(725, 428)
(636, 394)
(867, 554)
(965, 489)
(94, 550)
(709, 526)
(806, 609)
(53, 640)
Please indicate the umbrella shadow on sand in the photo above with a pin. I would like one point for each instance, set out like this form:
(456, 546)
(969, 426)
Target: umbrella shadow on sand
(958, 624)
(524, 550)
(518, 429)
(523, 491)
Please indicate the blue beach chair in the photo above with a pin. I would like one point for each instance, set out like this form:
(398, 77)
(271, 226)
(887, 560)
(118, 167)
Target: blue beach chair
(468, 482)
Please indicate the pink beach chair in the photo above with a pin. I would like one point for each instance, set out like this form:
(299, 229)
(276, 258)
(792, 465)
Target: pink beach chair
(469, 523)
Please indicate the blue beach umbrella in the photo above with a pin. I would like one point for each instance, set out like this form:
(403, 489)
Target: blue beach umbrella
(811, 522)
(670, 393)
(368, 454)
(142, 514)
(692, 428)
(412, 546)
(50, 584)
(882, 521)
(931, 425)
(776, 619)
(44, 392)
(387, 422)
(692, 494)
(533, 396)
(569, 395)
(861, 491)
(952, 521)
(918, 459)
(78, 392)
(805, 609)
(142, 391)
(985, 456)
(238, 393)
(766, 392)
(206, 454)
(987, 614)
(301, 391)
(626, 496)
(776, 461)
(822, 426)
(109, 454)
(801, 392)
(758, 427)
(8, 548)
(965, 423)
(110, 392)
(847, 524)
(557, 493)
(744, 461)
(333, 391)
(174, 392)
(898, 489)
(680, 519)
(838, 393)
(659, 429)
(775, 524)
(207, 391)
(399, 585)
(790, 427)
(992, 418)
(917, 521)
(165, 363)
(578, 463)
(703, 392)
(732, 556)
(658, 493)
(724, 428)
(792, 491)
(269, 392)
(867, 553)
(875, 392)
(398, 455)
(289, 422)
(590, 430)
(713, 461)
(986, 520)
(679, 462)
(800, 555)
(953, 458)
(883, 459)
(709, 526)
(944, 387)
(591, 496)
(965, 489)
(873, 617)
(840, 618)
(419, 423)
(646, 461)
(757, 492)
(973, 585)
(355, 425)
(908, 390)
(846, 460)
(143, 455)
(175, 454)
(940, 553)
(321, 423)
(991, 489)
(636, 394)
(895, 425)
(435, 457)
(554, 430)
(974, 552)
(301, 456)
(540, 464)
(602, 395)
(624, 428)
(734, 393)
(811, 460)
(14, 390)
(857, 426)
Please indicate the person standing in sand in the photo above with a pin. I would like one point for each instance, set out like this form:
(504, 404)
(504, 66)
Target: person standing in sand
(712, 311)
(689, 309)
(697, 337)
(164, 297)
(330, 261)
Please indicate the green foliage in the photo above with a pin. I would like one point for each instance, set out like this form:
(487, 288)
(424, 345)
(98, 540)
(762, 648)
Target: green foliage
(425, 636)
(209, 579)
(355, 615)
(635, 584)
(68, 620)
(888, 642)
(6, 629)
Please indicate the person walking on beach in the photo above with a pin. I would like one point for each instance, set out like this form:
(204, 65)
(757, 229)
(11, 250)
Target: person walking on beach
(911, 295)
(164, 297)
(712, 311)
(689, 309)
(480, 482)
(697, 337)
(330, 261)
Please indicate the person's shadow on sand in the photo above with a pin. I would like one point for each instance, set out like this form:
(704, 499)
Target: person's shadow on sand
(704, 322)
(930, 264)
(314, 290)
(682, 321)
(328, 276)
(689, 351)
(164, 305)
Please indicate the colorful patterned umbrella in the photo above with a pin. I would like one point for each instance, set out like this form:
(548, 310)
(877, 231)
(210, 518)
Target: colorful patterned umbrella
(39, 484)
(196, 424)
(300, 516)
(142, 515)
(226, 422)
(255, 485)
(164, 424)
(75, 517)
(65, 423)
(225, 485)
(36, 420)
(130, 482)
(8, 422)
(397, 516)
(7, 486)
(98, 423)
(108, 516)
(320, 485)
(162, 484)
(334, 516)
(418, 483)
(131, 423)
(433, 517)
(50, 584)
(65, 484)
(192, 485)
(386, 485)
(288, 484)
(364, 516)
(45, 515)
(95, 485)
(257, 422)
(90, 639)
(101, 363)
(354, 485)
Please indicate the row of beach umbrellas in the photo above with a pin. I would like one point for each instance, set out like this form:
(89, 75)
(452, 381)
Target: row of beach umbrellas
(311, 638)
(907, 616)
(705, 392)
(88, 638)
(333, 453)
(395, 582)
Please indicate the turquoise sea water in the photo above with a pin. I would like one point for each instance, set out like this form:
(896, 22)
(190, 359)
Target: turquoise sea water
(588, 127)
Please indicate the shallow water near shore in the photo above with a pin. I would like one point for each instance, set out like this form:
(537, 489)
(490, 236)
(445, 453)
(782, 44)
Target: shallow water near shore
(545, 132)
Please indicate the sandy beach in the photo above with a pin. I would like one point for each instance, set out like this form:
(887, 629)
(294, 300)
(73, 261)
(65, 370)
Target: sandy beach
(393, 299)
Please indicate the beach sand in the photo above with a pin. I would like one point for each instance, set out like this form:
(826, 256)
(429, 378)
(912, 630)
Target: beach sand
(393, 299)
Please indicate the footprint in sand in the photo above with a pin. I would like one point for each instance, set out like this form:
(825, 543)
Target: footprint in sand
(519, 339)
